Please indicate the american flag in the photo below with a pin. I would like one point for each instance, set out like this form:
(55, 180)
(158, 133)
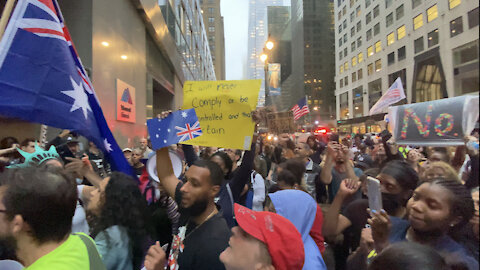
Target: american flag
(300, 109)
(393, 95)
(178, 127)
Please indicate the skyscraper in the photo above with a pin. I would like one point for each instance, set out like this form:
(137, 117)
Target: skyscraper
(319, 59)
(257, 36)
(214, 28)
(313, 56)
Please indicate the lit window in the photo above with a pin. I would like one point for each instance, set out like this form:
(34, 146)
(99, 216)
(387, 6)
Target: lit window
(346, 66)
(370, 51)
(454, 3)
(378, 65)
(378, 46)
(432, 13)
(390, 38)
(354, 61)
(370, 69)
(456, 27)
(401, 32)
(418, 21)
(360, 57)
(341, 69)
(433, 38)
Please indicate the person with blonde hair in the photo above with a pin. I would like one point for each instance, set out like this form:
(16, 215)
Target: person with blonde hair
(439, 169)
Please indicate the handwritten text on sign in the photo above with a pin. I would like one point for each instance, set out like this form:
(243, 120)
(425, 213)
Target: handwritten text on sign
(440, 122)
(224, 110)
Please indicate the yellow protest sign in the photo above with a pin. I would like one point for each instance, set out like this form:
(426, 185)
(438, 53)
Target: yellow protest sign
(224, 110)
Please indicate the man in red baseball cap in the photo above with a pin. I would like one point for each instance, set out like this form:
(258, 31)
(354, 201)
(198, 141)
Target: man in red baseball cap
(263, 241)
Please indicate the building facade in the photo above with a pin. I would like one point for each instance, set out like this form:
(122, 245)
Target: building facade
(257, 36)
(432, 45)
(153, 46)
(279, 30)
(319, 58)
(214, 28)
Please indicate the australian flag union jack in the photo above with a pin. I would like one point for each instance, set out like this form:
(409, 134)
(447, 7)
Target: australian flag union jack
(42, 79)
(178, 127)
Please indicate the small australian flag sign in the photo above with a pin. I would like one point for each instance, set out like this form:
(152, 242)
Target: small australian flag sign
(178, 127)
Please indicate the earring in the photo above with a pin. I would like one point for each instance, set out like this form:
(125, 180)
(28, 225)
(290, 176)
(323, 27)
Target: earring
(451, 225)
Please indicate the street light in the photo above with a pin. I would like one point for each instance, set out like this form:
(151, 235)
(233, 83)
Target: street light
(269, 45)
(263, 57)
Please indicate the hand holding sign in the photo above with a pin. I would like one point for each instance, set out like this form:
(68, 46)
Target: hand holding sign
(224, 110)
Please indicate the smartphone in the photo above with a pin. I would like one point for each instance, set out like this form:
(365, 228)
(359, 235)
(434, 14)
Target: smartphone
(374, 194)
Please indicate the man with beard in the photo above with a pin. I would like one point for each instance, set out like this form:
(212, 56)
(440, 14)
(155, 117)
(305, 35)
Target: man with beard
(336, 168)
(144, 147)
(203, 232)
(36, 210)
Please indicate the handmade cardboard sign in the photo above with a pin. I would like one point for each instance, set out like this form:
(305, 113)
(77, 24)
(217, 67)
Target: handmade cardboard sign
(434, 123)
(224, 109)
(281, 122)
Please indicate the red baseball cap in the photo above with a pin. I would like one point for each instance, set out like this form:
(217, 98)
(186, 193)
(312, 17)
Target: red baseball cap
(283, 241)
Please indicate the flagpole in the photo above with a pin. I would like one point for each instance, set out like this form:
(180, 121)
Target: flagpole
(7, 11)
(43, 135)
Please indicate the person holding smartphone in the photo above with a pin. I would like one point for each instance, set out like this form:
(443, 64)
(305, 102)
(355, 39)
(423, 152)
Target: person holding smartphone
(397, 182)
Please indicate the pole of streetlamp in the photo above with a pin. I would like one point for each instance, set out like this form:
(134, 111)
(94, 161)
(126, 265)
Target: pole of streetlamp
(267, 91)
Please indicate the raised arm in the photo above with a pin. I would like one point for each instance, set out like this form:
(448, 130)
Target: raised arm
(9, 150)
(165, 172)
(242, 176)
(326, 174)
(335, 223)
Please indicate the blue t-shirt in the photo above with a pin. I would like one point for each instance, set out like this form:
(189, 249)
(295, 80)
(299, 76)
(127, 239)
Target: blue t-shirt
(337, 179)
(443, 245)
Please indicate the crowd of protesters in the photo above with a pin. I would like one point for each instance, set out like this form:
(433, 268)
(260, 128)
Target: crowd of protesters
(292, 202)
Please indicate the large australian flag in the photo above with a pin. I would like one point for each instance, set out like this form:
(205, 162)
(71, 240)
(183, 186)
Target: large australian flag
(43, 80)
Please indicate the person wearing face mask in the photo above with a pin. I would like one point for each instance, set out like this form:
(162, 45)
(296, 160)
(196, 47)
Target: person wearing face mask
(435, 210)
(397, 179)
